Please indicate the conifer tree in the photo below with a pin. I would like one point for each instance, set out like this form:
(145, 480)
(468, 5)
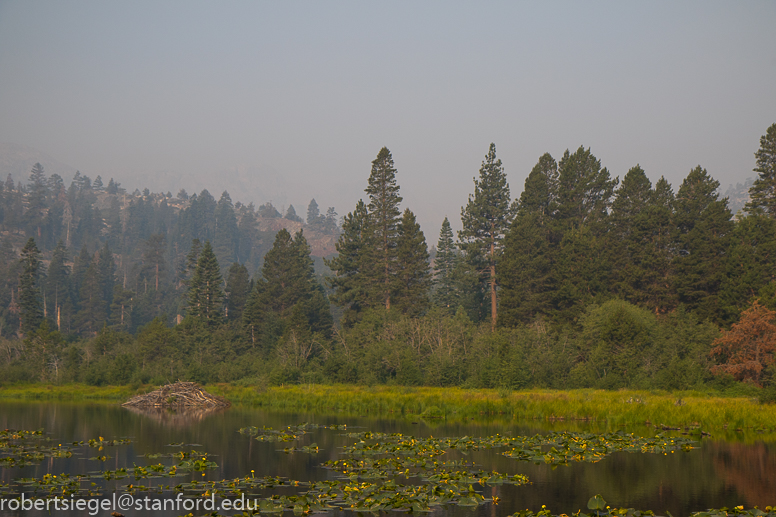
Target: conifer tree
(313, 214)
(31, 308)
(631, 238)
(226, 236)
(154, 266)
(238, 287)
(763, 191)
(413, 276)
(659, 289)
(205, 297)
(485, 219)
(93, 308)
(106, 272)
(291, 214)
(444, 268)
(704, 227)
(525, 270)
(37, 202)
(384, 216)
(349, 281)
(580, 262)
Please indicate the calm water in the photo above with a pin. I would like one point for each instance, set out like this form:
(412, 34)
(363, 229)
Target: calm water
(719, 473)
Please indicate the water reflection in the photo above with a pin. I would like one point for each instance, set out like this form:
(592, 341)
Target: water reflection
(719, 473)
(180, 417)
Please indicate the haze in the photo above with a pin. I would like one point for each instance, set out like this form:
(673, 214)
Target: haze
(286, 101)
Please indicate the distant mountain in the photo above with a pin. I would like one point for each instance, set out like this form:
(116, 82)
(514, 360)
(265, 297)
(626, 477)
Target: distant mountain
(738, 195)
(17, 160)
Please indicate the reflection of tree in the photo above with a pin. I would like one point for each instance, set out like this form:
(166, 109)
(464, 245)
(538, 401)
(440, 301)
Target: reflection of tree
(749, 468)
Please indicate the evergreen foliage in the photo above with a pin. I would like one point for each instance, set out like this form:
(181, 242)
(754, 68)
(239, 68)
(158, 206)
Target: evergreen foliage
(485, 219)
(348, 284)
(205, 289)
(413, 275)
(30, 305)
(445, 294)
(704, 229)
(383, 221)
(763, 192)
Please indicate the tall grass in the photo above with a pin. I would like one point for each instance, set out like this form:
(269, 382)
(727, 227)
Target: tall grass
(625, 407)
(67, 392)
(610, 409)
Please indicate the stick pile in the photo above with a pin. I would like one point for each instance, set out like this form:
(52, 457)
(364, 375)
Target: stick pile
(177, 395)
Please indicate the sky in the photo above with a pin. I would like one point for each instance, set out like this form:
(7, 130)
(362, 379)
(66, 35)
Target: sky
(286, 101)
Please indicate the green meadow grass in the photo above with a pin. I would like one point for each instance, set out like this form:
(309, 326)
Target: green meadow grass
(615, 408)
(606, 409)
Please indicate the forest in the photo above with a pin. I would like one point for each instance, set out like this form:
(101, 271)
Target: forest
(583, 280)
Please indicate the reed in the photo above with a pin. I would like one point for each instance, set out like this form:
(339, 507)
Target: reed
(614, 408)
(606, 409)
(66, 392)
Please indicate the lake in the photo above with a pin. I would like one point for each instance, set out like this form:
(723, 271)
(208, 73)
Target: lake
(736, 470)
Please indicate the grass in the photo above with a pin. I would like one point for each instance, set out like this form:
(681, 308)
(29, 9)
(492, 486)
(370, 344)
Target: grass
(66, 392)
(615, 408)
(609, 408)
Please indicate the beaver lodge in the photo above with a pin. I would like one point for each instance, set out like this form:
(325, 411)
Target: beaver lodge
(177, 395)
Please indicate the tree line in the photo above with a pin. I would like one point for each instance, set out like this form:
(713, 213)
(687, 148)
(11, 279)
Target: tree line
(582, 281)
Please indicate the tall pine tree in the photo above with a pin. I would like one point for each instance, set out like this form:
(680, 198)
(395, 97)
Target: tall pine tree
(384, 213)
(763, 191)
(30, 305)
(349, 282)
(704, 228)
(444, 268)
(525, 271)
(205, 297)
(413, 276)
(485, 219)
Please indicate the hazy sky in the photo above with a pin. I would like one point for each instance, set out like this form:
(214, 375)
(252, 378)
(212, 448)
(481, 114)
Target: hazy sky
(285, 101)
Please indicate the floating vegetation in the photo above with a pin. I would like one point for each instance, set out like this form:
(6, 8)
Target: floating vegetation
(20, 448)
(375, 472)
(289, 434)
(599, 508)
(177, 395)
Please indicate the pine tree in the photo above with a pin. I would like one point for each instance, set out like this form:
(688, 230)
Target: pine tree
(288, 272)
(630, 238)
(287, 294)
(226, 235)
(121, 308)
(348, 283)
(205, 293)
(580, 273)
(238, 287)
(291, 214)
(154, 265)
(58, 285)
(37, 202)
(313, 214)
(106, 273)
(763, 191)
(444, 268)
(330, 221)
(384, 219)
(31, 308)
(704, 227)
(93, 308)
(413, 275)
(585, 190)
(485, 219)
(525, 270)
(660, 293)
(750, 263)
